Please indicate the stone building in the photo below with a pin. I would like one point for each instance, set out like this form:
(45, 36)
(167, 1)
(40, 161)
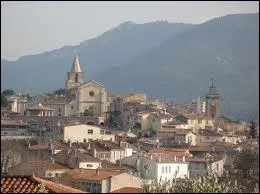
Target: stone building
(213, 103)
(89, 97)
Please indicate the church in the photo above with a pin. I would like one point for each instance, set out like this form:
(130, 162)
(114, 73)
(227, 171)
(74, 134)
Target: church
(84, 97)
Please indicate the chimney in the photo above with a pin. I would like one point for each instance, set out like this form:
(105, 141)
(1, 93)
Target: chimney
(68, 151)
(75, 153)
(89, 146)
(29, 145)
(52, 160)
(97, 170)
(160, 158)
(157, 141)
(95, 152)
(70, 143)
(183, 159)
(151, 156)
(175, 158)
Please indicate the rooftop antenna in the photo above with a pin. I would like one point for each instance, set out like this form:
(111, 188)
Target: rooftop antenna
(212, 82)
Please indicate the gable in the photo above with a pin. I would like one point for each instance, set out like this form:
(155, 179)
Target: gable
(91, 83)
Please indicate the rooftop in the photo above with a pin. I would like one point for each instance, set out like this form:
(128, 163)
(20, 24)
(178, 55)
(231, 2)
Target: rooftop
(29, 184)
(128, 190)
(93, 174)
(39, 107)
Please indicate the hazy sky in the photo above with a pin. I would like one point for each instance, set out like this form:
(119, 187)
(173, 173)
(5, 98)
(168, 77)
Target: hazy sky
(34, 27)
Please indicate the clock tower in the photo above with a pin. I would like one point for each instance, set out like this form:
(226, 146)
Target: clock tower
(212, 103)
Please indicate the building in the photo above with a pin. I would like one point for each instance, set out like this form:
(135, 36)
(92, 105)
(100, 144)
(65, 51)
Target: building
(80, 133)
(198, 166)
(198, 106)
(213, 103)
(85, 97)
(18, 104)
(177, 136)
(39, 110)
(158, 166)
(13, 128)
(209, 136)
(100, 180)
(32, 184)
(43, 169)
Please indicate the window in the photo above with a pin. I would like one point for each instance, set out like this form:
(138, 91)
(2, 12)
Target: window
(169, 169)
(57, 174)
(217, 167)
(91, 93)
(89, 165)
(59, 114)
(84, 140)
(59, 109)
(71, 107)
(90, 131)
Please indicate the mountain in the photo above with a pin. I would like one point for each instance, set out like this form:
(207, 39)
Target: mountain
(225, 48)
(48, 71)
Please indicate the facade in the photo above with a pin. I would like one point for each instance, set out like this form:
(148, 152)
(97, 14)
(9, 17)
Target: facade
(213, 103)
(89, 98)
(197, 166)
(18, 104)
(159, 167)
(177, 136)
(13, 128)
(39, 110)
(80, 133)
(100, 180)
(44, 169)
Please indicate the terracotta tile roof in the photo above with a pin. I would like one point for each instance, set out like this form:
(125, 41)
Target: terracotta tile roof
(38, 164)
(29, 184)
(39, 107)
(91, 174)
(12, 122)
(171, 151)
(39, 147)
(128, 190)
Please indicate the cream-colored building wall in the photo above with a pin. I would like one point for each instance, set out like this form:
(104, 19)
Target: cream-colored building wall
(54, 173)
(190, 138)
(98, 101)
(218, 167)
(80, 132)
(85, 165)
(125, 180)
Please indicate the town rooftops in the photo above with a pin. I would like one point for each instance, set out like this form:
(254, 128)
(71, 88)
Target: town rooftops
(207, 132)
(30, 184)
(128, 190)
(40, 164)
(93, 174)
(215, 158)
(13, 122)
(171, 151)
(39, 107)
(176, 131)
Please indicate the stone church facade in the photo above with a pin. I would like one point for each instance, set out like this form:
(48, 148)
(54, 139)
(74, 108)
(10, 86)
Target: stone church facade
(89, 97)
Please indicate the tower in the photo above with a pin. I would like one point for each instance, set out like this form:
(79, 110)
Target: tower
(212, 102)
(75, 76)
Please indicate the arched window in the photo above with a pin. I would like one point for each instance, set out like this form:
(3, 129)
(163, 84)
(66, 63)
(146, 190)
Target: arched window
(76, 77)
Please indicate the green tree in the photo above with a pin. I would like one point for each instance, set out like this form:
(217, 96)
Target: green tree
(8, 92)
(88, 112)
(207, 183)
(60, 91)
(245, 162)
(252, 130)
(4, 102)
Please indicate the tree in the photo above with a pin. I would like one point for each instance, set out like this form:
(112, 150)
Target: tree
(245, 162)
(88, 112)
(60, 91)
(252, 130)
(8, 92)
(207, 183)
(4, 102)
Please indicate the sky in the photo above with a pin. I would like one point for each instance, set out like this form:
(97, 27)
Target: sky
(29, 28)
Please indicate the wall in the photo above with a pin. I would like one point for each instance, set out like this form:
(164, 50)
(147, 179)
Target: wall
(84, 165)
(125, 180)
(53, 173)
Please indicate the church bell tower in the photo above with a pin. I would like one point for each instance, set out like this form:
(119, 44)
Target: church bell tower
(75, 76)
(212, 103)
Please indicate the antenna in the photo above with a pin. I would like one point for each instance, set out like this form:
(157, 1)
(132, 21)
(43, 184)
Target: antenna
(212, 82)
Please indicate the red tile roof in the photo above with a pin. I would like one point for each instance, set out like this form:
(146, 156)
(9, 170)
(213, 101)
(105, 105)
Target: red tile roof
(128, 190)
(91, 174)
(29, 184)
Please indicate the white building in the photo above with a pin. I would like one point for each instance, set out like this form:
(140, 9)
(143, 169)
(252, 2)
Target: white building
(81, 133)
(158, 166)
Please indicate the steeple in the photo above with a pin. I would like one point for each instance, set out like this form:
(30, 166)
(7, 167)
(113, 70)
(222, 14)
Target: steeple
(76, 66)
